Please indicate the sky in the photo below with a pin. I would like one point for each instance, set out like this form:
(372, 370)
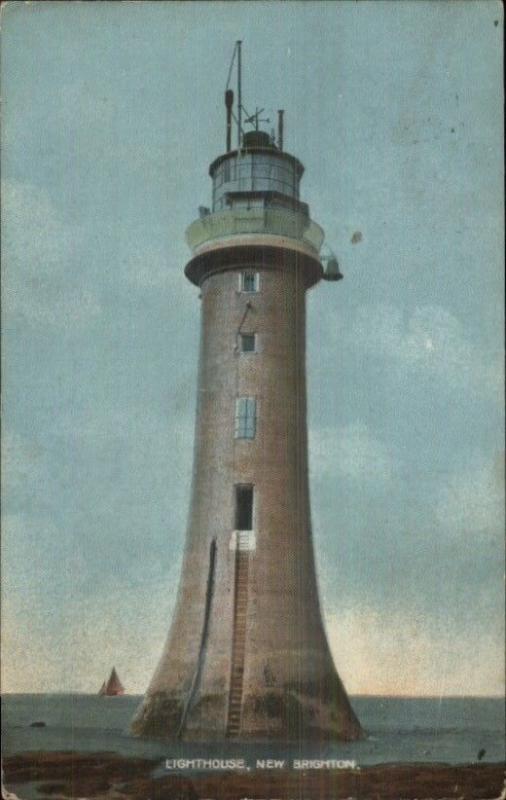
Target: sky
(112, 113)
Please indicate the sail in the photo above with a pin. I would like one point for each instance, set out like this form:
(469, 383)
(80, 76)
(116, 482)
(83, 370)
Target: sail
(114, 685)
(102, 689)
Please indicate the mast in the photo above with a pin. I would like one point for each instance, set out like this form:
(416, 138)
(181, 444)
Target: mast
(239, 95)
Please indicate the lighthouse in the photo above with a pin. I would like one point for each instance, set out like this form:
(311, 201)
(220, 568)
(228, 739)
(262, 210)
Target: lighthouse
(247, 657)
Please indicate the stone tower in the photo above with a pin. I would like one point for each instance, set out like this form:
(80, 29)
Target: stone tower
(247, 656)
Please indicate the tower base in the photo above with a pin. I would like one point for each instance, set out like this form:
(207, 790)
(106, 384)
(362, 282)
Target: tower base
(288, 714)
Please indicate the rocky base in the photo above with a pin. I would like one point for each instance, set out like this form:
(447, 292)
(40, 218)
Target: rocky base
(289, 714)
(158, 716)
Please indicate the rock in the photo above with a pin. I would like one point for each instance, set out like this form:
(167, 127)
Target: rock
(38, 724)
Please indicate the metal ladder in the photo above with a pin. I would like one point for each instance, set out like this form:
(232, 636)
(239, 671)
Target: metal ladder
(239, 636)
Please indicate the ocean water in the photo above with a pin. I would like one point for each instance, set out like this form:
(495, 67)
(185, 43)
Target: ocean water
(400, 730)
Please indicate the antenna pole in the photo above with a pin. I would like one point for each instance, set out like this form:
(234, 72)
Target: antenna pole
(229, 101)
(280, 129)
(239, 95)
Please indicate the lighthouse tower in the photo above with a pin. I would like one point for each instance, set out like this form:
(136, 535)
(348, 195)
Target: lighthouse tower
(247, 656)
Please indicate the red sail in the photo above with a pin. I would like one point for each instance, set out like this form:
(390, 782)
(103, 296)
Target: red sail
(114, 686)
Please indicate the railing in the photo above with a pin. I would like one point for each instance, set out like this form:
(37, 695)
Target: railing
(273, 221)
(243, 540)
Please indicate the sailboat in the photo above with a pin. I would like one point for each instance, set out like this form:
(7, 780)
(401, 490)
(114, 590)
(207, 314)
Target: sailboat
(113, 687)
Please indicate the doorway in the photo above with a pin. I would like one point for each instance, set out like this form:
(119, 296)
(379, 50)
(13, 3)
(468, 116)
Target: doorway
(244, 507)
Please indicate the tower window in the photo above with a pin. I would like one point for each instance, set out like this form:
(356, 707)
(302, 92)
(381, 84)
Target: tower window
(245, 417)
(243, 508)
(248, 343)
(249, 282)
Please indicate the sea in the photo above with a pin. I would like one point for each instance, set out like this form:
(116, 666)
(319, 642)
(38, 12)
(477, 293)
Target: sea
(449, 730)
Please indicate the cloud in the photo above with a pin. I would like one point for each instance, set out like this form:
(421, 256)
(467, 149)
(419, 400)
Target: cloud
(52, 616)
(21, 458)
(35, 238)
(52, 305)
(430, 340)
(32, 544)
(472, 501)
(136, 424)
(350, 451)
(124, 624)
(155, 269)
(39, 251)
(402, 653)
